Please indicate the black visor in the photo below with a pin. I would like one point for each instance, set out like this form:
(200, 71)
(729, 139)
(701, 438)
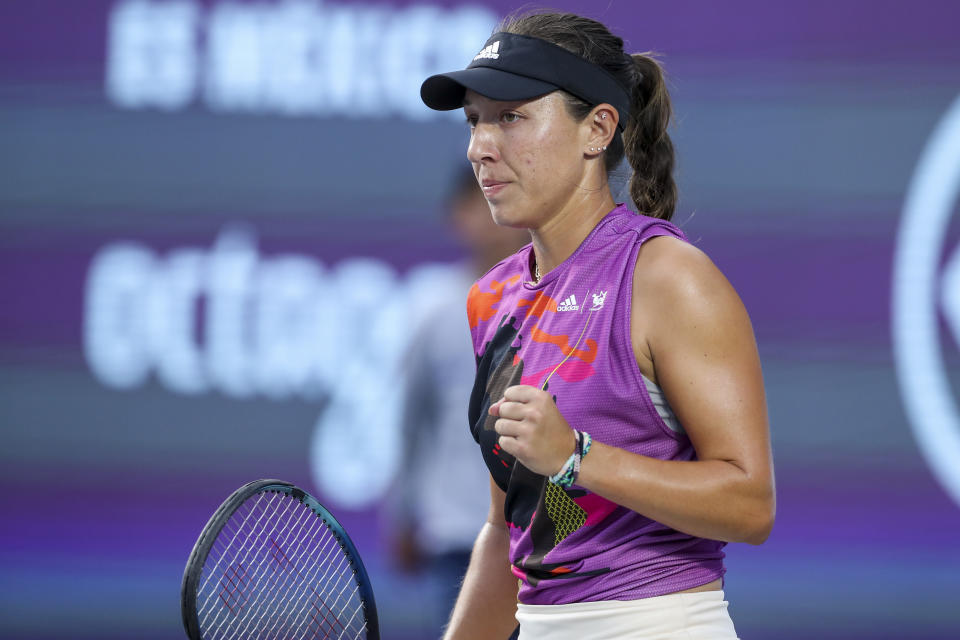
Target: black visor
(515, 67)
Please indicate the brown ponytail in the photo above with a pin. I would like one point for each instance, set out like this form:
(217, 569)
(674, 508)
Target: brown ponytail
(645, 141)
(647, 144)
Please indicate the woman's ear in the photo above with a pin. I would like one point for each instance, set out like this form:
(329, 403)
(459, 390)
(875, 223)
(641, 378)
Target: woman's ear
(602, 121)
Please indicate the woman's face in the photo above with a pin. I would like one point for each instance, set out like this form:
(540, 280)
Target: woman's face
(528, 157)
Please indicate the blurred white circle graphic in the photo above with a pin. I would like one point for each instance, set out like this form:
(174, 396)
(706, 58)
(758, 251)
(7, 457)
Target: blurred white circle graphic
(920, 290)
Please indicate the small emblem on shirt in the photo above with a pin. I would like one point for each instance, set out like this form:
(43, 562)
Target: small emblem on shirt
(598, 299)
(570, 304)
(489, 51)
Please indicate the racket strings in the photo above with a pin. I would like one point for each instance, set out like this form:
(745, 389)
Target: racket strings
(285, 603)
(276, 571)
(327, 620)
(236, 527)
(243, 530)
(264, 568)
(227, 540)
(275, 577)
(240, 528)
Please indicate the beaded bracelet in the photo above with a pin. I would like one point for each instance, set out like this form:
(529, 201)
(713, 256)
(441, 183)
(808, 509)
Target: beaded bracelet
(567, 476)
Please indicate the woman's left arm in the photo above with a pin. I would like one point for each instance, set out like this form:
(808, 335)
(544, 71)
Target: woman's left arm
(692, 334)
(689, 323)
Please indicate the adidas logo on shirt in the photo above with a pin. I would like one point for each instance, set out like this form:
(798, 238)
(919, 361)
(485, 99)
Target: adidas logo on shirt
(570, 304)
(489, 51)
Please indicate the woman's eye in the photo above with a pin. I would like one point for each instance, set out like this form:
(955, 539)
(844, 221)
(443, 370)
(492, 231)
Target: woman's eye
(510, 117)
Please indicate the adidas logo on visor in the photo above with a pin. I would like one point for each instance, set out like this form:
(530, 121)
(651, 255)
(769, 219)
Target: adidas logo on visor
(489, 51)
(570, 304)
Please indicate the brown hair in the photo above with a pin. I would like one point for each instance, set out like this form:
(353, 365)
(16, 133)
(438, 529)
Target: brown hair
(645, 140)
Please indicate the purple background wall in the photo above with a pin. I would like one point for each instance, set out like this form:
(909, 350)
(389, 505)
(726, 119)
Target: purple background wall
(799, 128)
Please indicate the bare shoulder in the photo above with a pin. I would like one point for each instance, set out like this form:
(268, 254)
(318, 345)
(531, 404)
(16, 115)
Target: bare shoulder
(681, 299)
(676, 271)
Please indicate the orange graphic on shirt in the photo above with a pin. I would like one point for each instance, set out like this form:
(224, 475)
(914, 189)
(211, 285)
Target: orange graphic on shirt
(480, 304)
(481, 307)
(536, 307)
(587, 355)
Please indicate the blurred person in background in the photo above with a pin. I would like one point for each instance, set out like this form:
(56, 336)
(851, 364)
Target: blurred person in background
(619, 402)
(441, 497)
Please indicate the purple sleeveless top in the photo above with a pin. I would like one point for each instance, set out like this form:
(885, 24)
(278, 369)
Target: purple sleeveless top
(570, 334)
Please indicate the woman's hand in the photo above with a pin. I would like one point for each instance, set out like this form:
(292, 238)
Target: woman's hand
(532, 430)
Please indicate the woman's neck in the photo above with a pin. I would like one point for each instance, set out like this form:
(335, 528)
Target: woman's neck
(559, 237)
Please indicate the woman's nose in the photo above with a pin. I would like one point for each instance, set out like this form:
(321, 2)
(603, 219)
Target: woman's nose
(483, 143)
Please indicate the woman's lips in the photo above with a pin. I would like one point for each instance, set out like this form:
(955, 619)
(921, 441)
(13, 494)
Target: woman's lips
(492, 187)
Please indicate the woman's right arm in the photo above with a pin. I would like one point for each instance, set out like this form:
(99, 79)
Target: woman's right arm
(487, 604)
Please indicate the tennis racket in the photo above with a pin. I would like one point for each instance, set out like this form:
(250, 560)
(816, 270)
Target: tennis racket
(273, 563)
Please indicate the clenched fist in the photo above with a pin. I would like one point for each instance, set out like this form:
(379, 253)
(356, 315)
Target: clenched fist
(532, 430)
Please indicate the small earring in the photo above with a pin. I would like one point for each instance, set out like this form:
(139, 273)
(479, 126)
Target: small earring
(603, 115)
(603, 148)
(592, 149)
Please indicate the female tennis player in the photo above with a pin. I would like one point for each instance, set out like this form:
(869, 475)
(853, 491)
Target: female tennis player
(619, 401)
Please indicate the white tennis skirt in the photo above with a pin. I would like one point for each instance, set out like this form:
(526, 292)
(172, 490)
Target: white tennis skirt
(701, 615)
